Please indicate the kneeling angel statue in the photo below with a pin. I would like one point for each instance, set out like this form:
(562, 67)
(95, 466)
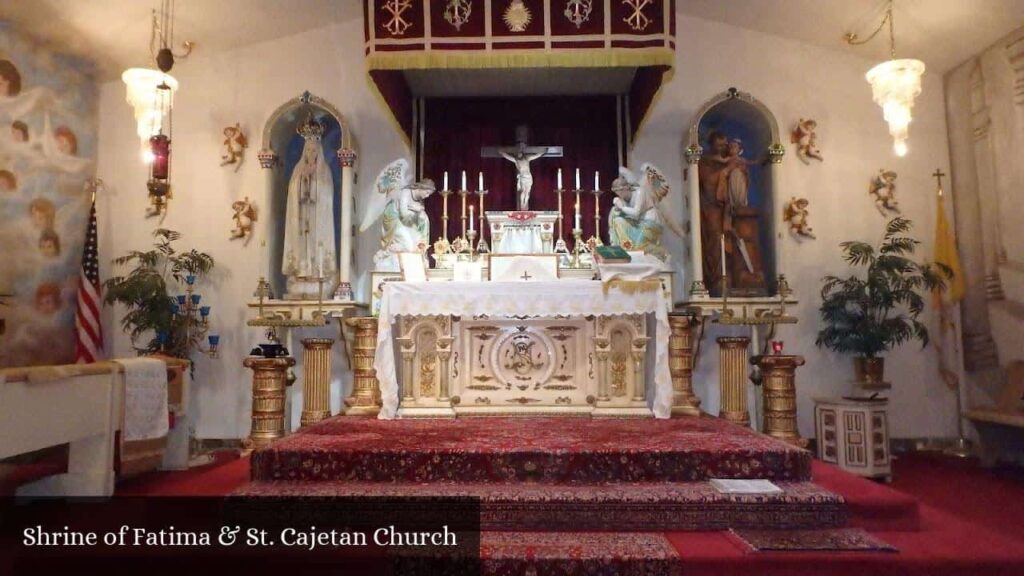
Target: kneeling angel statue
(637, 219)
(405, 226)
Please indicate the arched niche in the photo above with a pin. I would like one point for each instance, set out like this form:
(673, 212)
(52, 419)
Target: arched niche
(720, 211)
(280, 150)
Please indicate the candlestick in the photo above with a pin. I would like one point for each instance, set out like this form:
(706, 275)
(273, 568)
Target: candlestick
(597, 211)
(597, 180)
(480, 181)
(320, 258)
(561, 226)
(445, 187)
(462, 194)
(464, 180)
(472, 226)
(577, 179)
(577, 206)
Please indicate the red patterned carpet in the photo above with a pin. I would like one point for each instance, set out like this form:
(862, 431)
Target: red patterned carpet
(945, 517)
(563, 450)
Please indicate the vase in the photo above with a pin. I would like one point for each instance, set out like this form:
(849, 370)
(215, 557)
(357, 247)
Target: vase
(870, 372)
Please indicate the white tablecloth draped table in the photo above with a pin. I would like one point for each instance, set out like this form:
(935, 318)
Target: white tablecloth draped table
(541, 299)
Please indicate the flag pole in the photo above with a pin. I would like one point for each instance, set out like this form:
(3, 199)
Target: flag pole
(961, 446)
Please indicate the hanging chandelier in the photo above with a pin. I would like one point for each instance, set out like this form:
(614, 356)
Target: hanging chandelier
(895, 84)
(150, 91)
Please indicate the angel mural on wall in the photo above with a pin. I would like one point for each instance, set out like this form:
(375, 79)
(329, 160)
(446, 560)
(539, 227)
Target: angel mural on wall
(405, 226)
(309, 250)
(637, 219)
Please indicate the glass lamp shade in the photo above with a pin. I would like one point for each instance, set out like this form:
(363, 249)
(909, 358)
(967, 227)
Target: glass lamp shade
(894, 85)
(160, 150)
(149, 102)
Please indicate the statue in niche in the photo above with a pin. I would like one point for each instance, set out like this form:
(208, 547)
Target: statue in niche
(405, 226)
(728, 223)
(309, 251)
(636, 220)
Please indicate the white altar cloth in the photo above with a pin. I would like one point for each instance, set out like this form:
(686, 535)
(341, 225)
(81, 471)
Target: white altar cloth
(542, 299)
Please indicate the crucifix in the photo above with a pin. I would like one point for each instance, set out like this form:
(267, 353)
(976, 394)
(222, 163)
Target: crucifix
(526, 276)
(938, 176)
(521, 155)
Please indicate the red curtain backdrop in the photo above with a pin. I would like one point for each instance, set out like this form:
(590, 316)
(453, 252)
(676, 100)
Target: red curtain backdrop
(455, 129)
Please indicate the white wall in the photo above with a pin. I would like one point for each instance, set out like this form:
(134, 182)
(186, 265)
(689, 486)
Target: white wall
(216, 91)
(793, 79)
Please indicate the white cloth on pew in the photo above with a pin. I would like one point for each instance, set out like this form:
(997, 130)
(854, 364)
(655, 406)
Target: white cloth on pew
(145, 398)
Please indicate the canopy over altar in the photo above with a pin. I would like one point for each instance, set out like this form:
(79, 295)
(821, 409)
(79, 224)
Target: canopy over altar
(610, 40)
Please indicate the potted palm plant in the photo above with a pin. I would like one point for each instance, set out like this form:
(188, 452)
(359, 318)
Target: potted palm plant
(152, 310)
(871, 313)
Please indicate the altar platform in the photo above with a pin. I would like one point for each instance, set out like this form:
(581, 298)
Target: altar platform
(556, 473)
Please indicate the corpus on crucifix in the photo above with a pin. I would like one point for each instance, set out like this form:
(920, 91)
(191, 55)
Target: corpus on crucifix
(522, 155)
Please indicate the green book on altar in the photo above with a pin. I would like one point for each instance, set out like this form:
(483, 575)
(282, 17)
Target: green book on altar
(612, 255)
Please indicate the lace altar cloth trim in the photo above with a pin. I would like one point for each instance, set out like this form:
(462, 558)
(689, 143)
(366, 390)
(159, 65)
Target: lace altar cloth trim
(538, 299)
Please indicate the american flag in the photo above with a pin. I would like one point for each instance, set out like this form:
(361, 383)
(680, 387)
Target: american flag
(88, 332)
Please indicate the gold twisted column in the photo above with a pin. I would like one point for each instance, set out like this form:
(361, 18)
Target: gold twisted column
(779, 389)
(269, 380)
(365, 398)
(316, 380)
(680, 363)
(733, 379)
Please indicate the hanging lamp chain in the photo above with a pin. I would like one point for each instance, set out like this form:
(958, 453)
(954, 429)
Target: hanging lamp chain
(853, 39)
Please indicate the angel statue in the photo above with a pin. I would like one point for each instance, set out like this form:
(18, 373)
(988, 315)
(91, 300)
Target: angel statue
(636, 219)
(405, 226)
(309, 252)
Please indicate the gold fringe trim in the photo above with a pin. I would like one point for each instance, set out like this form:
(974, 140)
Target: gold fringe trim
(559, 58)
(632, 286)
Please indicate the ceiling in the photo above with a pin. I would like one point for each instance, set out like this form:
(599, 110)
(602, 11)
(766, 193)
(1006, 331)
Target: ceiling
(115, 33)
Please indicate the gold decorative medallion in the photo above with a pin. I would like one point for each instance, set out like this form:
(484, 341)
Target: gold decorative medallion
(517, 16)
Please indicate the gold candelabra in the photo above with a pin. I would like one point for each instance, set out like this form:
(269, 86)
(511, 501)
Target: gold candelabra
(560, 245)
(482, 246)
(597, 216)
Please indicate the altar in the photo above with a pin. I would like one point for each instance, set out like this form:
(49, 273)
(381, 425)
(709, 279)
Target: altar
(573, 347)
(522, 231)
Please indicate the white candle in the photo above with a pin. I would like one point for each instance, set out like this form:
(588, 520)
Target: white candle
(320, 258)
(472, 221)
(577, 226)
(576, 208)
(577, 181)
(445, 187)
(480, 181)
(723, 254)
(463, 181)
(559, 179)
(597, 180)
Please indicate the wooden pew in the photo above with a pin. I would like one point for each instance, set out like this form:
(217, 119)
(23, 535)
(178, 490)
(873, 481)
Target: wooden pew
(1001, 426)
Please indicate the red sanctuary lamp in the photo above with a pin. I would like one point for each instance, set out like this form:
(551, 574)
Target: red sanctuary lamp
(159, 170)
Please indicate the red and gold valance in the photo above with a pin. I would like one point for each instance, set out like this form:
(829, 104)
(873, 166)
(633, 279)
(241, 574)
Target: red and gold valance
(477, 34)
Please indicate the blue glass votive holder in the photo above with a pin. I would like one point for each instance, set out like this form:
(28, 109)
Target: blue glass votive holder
(181, 299)
(195, 299)
(214, 339)
(190, 279)
(204, 311)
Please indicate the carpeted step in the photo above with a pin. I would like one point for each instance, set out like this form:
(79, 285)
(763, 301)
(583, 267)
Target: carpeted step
(605, 506)
(562, 450)
(562, 553)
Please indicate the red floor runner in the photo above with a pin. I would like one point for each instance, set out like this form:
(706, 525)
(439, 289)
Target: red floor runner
(969, 521)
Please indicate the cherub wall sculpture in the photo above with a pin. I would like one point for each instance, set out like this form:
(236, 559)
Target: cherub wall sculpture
(806, 140)
(235, 144)
(883, 188)
(244, 217)
(796, 215)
